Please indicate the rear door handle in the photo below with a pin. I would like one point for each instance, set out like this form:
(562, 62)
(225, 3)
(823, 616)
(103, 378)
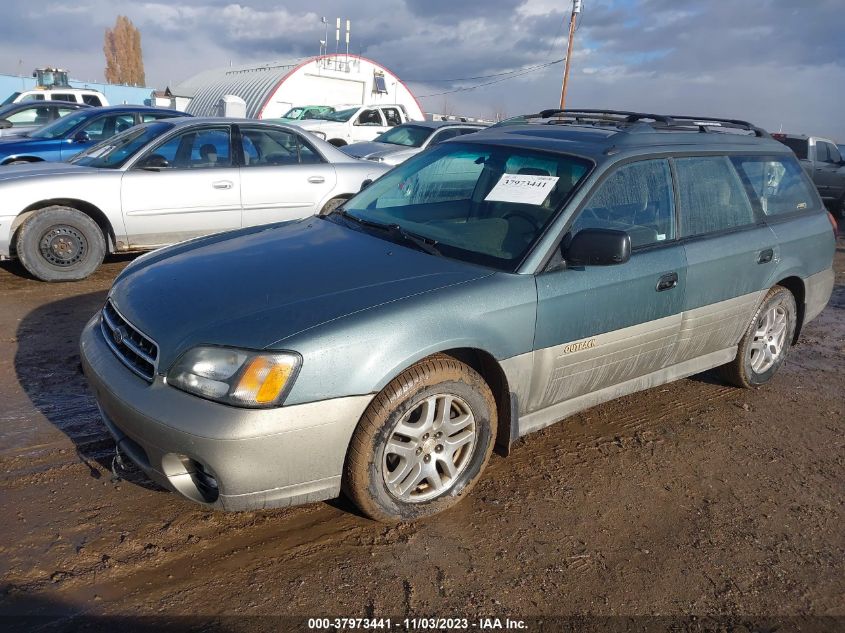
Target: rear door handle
(765, 256)
(222, 184)
(316, 180)
(667, 282)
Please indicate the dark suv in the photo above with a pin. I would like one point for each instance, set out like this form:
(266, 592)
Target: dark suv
(822, 160)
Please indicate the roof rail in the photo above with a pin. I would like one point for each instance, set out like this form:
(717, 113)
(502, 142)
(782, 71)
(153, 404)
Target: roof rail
(658, 121)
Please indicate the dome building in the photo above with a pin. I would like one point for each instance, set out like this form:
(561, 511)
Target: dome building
(270, 90)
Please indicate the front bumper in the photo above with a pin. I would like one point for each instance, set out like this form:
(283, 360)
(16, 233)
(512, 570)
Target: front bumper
(258, 458)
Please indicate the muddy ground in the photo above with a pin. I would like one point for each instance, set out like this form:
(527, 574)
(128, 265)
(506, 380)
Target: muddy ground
(692, 498)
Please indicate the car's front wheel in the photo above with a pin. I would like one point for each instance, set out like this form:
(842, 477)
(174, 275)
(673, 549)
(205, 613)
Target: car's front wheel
(766, 342)
(60, 244)
(422, 443)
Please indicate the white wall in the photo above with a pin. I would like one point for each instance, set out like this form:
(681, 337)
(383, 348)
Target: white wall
(334, 81)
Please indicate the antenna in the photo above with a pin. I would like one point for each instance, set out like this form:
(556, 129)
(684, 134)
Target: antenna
(337, 38)
(347, 42)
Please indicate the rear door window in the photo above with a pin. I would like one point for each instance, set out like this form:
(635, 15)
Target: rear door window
(392, 116)
(636, 198)
(713, 198)
(778, 183)
(275, 147)
(57, 96)
(92, 100)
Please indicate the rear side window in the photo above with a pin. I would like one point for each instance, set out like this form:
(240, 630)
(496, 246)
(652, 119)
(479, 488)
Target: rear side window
(778, 183)
(636, 198)
(92, 100)
(797, 145)
(712, 195)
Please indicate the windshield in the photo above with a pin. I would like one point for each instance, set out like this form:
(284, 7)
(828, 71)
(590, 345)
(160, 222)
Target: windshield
(11, 98)
(60, 127)
(482, 204)
(407, 135)
(293, 113)
(341, 115)
(114, 152)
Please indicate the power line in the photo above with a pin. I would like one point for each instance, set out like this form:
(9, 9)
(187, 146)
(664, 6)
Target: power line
(508, 72)
(511, 75)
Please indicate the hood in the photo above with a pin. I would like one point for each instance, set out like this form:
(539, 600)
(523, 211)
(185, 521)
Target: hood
(317, 124)
(45, 169)
(258, 286)
(365, 150)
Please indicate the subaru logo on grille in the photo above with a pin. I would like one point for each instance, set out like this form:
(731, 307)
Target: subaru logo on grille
(119, 334)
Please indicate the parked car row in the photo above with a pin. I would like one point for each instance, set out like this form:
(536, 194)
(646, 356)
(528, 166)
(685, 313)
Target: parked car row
(66, 137)
(160, 182)
(482, 290)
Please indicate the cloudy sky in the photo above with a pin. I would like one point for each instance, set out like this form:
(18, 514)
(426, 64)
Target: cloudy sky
(779, 63)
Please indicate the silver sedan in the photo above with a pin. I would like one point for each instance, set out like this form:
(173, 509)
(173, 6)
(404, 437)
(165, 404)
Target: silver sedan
(165, 182)
(399, 143)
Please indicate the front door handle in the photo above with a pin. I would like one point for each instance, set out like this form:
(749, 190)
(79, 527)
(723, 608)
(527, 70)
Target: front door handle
(667, 282)
(222, 184)
(316, 180)
(765, 256)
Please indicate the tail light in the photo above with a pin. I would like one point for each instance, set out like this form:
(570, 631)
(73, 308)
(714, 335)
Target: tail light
(833, 223)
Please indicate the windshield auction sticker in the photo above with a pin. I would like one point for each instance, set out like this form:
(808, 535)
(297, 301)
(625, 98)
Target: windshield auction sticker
(522, 188)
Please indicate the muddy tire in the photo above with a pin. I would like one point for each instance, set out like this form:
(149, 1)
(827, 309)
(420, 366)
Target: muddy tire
(422, 443)
(766, 342)
(60, 244)
(331, 205)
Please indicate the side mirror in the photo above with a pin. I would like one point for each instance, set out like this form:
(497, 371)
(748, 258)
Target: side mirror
(366, 184)
(5, 124)
(81, 137)
(154, 162)
(599, 247)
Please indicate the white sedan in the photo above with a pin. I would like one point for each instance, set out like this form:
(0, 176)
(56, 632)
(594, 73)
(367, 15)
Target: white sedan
(164, 182)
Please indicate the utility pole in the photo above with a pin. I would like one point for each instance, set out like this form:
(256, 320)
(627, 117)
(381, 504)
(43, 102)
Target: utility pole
(576, 9)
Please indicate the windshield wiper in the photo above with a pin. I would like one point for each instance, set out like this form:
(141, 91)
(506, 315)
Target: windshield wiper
(396, 232)
(425, 244)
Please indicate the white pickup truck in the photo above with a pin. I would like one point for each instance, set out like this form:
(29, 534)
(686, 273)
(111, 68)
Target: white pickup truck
(354, 123)
(74, 95)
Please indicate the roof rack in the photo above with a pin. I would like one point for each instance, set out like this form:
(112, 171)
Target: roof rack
(654, 121)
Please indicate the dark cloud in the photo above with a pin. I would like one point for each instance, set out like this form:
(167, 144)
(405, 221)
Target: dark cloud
(774, 61)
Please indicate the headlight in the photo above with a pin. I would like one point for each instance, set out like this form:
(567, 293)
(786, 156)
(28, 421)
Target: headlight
(241, 378)
(319, 134)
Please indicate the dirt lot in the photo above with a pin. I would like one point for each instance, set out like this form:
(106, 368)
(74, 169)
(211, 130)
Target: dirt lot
(689, 499)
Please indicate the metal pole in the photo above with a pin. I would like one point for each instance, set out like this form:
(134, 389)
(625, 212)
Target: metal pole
(576, 9)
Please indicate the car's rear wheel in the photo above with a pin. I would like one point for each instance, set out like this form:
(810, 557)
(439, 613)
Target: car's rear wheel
(60, 244)
(766, 342)
(422, 443)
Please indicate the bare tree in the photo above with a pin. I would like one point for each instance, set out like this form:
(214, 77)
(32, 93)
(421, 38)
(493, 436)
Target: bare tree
(122, 47)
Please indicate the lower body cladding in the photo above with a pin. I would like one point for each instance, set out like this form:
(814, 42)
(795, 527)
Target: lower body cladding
(221, 456)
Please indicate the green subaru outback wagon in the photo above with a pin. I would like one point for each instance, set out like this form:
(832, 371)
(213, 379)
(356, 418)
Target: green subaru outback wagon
(482, 290)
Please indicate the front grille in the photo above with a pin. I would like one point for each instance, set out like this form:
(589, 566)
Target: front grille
(134, 349)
